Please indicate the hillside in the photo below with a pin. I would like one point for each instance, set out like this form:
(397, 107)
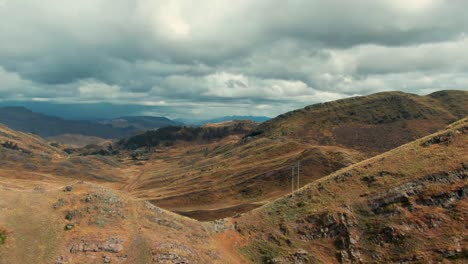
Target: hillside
(37, 159)
(173, 134)
(77, 140)
(405, 206)
(237, 173)
(60, 208)
(86, 223)
(373, 123)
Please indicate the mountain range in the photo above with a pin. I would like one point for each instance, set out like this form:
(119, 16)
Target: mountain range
(23, 119)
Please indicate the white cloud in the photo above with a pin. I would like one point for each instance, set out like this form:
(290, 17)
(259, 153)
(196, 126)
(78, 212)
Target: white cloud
(216, 56)
(97, 90)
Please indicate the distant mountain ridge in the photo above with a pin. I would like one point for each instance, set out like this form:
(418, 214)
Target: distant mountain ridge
(258, 119)
(23, 119)
(140, 122)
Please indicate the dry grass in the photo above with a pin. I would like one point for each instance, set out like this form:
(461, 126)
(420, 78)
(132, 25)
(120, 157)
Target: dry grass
(234, 173)
(228, 174)
(345, 191)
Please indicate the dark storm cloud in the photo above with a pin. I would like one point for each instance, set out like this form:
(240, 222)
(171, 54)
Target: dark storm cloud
(218, 57)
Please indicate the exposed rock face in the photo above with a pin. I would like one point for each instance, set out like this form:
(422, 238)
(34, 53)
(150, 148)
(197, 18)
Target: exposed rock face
(401, 196)
(386, 202)
(112, 245)
(169, 258)
(339, 227)
(169, 253)
(445, 138)
(444, 199)
(299, 257)
(387, 225)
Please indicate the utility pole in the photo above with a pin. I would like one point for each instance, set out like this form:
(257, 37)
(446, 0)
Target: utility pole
(292, 180)
(298, 171)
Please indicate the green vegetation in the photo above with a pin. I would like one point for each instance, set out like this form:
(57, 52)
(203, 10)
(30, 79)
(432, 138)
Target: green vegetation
(10, 145)
(262, 252)
(254, 133)
(168, 135)
(3, 236)
(301, 204)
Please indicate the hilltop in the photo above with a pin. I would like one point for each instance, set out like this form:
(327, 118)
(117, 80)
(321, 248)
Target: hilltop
(172, 134)
(373, 123)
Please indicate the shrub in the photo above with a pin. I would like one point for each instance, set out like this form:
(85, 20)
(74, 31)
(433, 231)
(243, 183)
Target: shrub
(10, 145)
(301, 204)
(3, 236)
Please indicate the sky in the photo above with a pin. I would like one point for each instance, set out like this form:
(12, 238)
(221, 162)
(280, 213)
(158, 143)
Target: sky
(210, 58)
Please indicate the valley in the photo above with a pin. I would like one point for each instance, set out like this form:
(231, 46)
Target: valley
(379, 174)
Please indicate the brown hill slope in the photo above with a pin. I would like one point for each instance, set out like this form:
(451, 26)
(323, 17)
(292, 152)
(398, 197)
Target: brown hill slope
(407, 205)
(234, 175)
(226, 178)
(39, 160)
(373, 123)
(90, 224)
(78, 141)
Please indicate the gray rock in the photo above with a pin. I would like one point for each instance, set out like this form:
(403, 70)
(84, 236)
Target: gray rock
(106, 259)
(70, 215)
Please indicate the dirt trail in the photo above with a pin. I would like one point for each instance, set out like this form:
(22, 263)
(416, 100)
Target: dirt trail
(37, 188)
(129, 187)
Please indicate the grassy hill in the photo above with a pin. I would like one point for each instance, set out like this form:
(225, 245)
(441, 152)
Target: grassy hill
(406, 205)
(373, 123)
(37, 159)
(172, 134)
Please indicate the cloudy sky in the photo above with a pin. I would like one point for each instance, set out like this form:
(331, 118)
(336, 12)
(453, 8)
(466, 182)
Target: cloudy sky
(221, 57)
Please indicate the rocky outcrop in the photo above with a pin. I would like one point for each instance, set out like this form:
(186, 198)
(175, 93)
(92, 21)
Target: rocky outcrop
(340, 227)
(445, 138)
(112, 245)
(444, 199)
(170, 253)
(299, 257)
(385, 203)
(402, 196)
